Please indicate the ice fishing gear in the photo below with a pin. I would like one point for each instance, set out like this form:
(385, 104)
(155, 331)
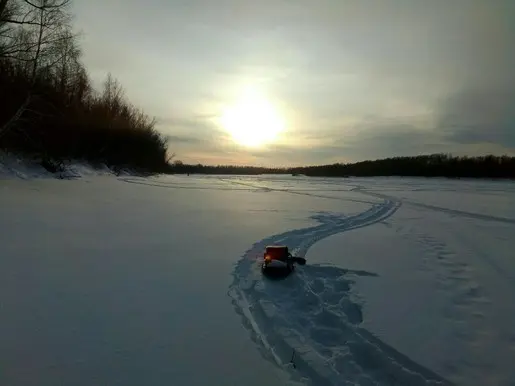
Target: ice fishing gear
(279, 262)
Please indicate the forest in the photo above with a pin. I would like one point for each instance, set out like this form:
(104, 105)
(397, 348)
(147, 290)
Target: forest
(50, 111)
(433, 165)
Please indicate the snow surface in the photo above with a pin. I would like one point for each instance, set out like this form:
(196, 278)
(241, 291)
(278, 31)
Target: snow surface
(152, 281)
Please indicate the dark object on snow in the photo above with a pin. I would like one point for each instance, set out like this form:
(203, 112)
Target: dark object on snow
(278, 261)
(292, 358)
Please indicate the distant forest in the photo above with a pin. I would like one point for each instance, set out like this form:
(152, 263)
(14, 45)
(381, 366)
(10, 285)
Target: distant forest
(434, 165)
(50, 111)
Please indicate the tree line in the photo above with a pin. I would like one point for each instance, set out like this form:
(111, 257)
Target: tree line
(434, 165)
(178, 167)
(50, 110)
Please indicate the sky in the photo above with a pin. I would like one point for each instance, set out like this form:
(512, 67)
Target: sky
(348, 80)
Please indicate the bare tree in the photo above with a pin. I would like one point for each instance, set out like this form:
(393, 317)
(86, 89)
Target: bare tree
(51, 25)
(3, 6)
(8, 11)
(43, 38)
(113, 92)
(66, 61)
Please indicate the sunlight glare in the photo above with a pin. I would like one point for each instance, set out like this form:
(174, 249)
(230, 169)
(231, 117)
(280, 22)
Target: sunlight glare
(252, 121)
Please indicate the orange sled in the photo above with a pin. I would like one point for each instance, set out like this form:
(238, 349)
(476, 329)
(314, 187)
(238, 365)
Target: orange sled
(279, 262)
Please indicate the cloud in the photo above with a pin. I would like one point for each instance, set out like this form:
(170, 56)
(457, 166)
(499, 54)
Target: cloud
(368, 139)
(477, 116)
(357, 79)
(180, 139)
(196, 128)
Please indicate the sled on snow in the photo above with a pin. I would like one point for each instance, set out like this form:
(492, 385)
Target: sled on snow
(279, 262)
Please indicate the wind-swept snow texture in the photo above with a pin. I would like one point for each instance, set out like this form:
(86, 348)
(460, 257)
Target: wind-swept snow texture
(124, 281)
(313, 317)
(12, 166)
(316, 317)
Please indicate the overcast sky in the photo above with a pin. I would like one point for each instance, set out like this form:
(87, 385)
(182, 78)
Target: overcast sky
(354, 80)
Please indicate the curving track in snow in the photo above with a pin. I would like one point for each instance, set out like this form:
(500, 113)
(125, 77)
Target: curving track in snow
(312, 316)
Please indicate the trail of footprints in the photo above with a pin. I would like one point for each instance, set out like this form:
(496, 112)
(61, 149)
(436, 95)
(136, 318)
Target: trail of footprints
(313, 314)
(454, 277)
(455, 281)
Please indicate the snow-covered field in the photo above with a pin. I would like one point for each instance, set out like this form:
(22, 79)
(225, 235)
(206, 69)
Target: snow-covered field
(110, 280)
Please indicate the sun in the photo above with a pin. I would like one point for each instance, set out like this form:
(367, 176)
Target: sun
(252, 121)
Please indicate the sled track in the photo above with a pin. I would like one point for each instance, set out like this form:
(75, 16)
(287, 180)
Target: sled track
(299, 192)
(313, 315)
